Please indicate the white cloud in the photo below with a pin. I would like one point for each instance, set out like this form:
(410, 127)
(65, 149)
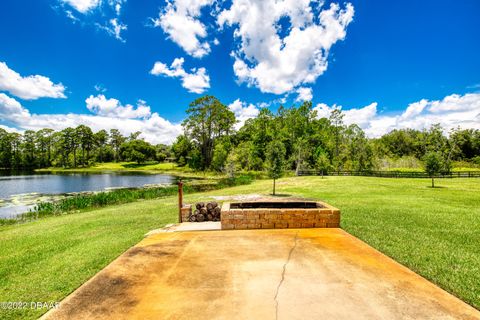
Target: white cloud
(10, 129)
(83, 6)
(71, 16)
(111, 107)
(451, 112)
(414, 109)
(180, 20)
(197, 81)
(29, 87)
(11, 109)
(115, 28)
(100, 88)
(117, 5)
(105, 17)
(243, 112)
(474, 86)
(154, 128)
(278, 61)
(304, 94)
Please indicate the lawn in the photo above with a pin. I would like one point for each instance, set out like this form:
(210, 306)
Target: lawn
(148, 167)
(435, 232)
(168, 167)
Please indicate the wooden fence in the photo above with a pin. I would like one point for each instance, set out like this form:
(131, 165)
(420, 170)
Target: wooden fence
(391, 174)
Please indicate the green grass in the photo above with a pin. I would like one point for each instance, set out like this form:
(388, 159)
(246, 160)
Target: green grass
(435, 232)
(174, 169)
(455, 169)
(121, 166)
(149, 167)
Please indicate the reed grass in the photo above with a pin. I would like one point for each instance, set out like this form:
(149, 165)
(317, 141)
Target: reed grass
(84, 201)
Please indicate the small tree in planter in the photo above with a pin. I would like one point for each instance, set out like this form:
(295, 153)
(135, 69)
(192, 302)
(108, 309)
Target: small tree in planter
(433, 165)
(275, 157)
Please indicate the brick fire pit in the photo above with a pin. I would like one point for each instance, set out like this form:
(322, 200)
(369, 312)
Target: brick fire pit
(279, 215)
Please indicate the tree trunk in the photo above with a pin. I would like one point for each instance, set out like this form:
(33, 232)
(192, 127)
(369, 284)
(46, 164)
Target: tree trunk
(274, 186)
(433, 182)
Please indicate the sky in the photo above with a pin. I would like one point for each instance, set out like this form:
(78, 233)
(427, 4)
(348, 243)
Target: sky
(136, 65)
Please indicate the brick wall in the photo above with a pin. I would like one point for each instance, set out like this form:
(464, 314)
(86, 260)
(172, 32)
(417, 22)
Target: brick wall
(324, 217)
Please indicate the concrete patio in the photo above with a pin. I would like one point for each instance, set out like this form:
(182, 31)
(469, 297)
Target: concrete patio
(258, 274)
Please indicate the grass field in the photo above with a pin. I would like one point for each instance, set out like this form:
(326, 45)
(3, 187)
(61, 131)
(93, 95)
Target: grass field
(154, 167)
(435, 232)
(149, 167)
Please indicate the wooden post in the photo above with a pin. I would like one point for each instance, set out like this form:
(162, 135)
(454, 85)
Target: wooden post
(180, 200)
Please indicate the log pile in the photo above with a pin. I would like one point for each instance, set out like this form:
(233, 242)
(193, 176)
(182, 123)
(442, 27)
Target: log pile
(206, 212)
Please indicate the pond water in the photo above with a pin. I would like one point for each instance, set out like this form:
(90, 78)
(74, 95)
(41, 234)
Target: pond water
(18, 193)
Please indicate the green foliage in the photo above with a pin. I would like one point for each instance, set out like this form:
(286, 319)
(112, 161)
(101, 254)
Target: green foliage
(137, 150)
(210, 143)
(275, 157)
(322, 162)
(433, 163)
(163, 152)
(73, 147)
(220, 155)
(195, 160)
(181, 149)
(208, 120)
(116, 140)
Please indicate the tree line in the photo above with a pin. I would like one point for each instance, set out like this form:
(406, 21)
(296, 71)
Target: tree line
(305, 141)
(74, 147)
(294, 137)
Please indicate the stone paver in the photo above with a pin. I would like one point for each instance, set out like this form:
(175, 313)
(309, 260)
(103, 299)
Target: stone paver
(258, 274)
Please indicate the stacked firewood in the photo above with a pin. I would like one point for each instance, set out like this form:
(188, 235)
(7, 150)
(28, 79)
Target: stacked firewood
(206, 212)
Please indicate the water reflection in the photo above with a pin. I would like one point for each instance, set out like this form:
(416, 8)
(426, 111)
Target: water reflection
(19, 192)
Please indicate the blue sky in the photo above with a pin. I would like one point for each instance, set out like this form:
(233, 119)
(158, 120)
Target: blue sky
(388, 64)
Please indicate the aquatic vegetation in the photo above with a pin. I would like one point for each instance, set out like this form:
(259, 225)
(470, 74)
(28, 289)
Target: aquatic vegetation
(82, 201)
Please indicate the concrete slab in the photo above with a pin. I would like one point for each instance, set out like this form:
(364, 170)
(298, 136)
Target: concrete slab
(188, 226)
(258, 274)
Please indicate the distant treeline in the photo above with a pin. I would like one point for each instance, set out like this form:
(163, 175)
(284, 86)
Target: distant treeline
(210, 142)
(74, 147)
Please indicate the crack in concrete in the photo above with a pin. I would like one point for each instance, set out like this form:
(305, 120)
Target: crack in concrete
(283, 274)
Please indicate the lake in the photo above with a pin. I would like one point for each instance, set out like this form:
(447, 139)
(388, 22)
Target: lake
(18, 193)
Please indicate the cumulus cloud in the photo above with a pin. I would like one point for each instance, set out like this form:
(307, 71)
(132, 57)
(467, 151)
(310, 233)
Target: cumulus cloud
(83, 6)
(450, 112)
(283, 44)
(243, 112)
(11, 109)
(197, 81)
(29, 87)
(108, 114)
(180, 20)
(10, 129)
(304, 94)
(112, 107)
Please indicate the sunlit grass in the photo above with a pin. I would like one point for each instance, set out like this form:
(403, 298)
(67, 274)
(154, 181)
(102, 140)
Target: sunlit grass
(435, 232)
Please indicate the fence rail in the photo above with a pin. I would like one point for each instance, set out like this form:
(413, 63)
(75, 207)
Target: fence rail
(391, 174)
